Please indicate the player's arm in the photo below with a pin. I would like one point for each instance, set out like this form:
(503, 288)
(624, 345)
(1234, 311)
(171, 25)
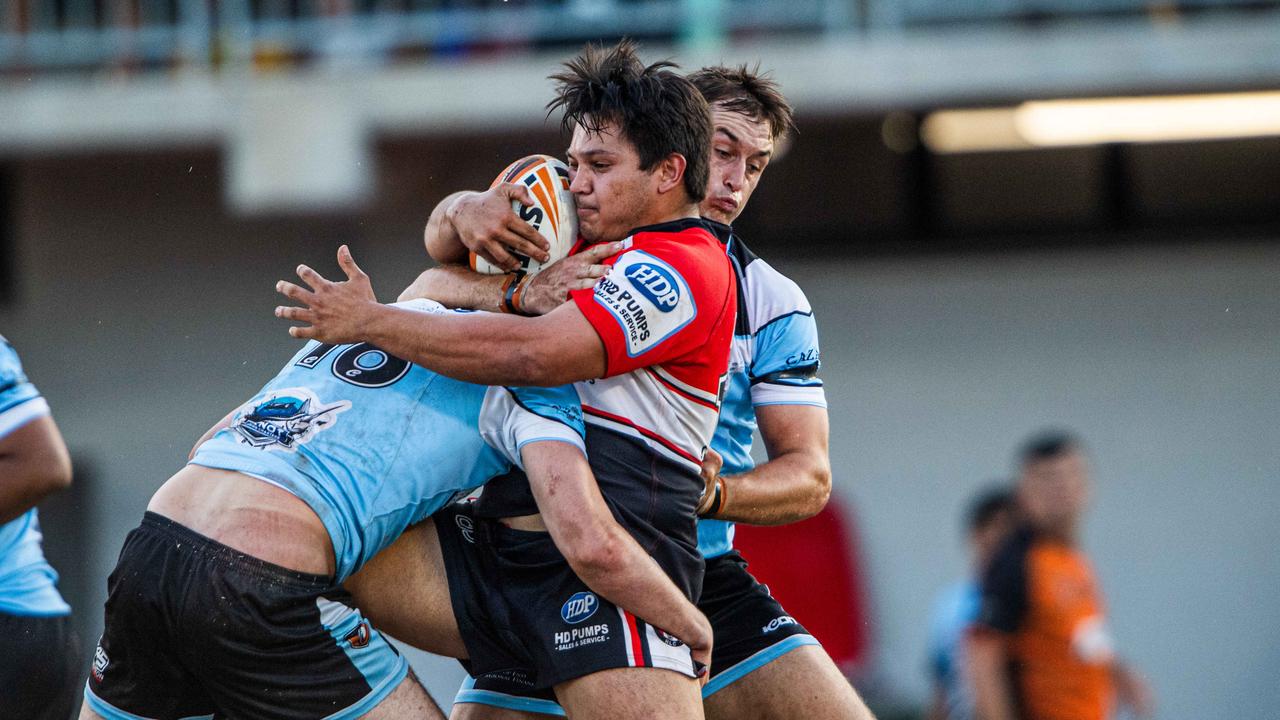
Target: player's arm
(1132, 689)
(986, 652)
(485, 348)
(483, 223)
(33, 464)
(458, 286)
(601, 552)
(793, 485)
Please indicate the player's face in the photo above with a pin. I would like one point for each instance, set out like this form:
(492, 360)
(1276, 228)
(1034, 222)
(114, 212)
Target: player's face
(1055, 491)
(740, 151)
(612, 193)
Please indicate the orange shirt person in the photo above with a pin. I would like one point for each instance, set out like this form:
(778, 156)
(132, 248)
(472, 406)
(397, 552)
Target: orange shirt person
(1041, 649)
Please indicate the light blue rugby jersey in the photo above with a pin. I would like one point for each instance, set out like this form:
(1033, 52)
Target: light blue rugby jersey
(774, 361)
(28, 585)
(374, 444)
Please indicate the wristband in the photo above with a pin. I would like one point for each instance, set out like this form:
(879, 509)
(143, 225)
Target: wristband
(717, 500)
(517, 295)
(509, 287)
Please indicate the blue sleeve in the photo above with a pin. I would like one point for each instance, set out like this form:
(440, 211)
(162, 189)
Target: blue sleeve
(20, 402)
(784, 366)
(560, 404)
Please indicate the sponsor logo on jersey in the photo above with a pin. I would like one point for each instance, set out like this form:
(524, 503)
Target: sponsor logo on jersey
(467, 527)
(778, 622)
(656, 284)
(100, 662)
(648, 298)
(580, 636)
(808, 357)
(285, 419)
(359, 638)
(668, 638)
(579, 607)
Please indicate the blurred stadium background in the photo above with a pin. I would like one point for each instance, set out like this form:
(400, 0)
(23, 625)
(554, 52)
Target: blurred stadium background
(991, 241)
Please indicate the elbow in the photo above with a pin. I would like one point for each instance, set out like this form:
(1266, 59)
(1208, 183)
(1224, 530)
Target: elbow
(532, 365)
(595, 555)
(819, 485)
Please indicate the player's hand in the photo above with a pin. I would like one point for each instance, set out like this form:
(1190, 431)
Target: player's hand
(712, 463)
(700, 649)
(550, 288)
(488, 227)
(335, 312)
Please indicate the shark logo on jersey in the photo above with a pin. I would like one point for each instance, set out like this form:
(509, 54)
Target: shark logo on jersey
(285, 419)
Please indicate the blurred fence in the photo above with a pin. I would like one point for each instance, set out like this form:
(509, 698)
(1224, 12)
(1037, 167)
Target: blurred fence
(138, 35)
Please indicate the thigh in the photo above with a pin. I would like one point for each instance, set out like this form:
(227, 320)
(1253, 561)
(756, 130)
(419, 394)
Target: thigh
(803, 683)
(482, 711)
(408, 700)
(632, 694)
(404, 590)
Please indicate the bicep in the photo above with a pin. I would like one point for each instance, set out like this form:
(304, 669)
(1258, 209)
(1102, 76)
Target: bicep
(793, 428)
(569, 346)
(36, 443)
(564, 487)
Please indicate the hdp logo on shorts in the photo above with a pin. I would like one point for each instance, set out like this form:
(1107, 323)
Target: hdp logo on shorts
(579, 607)
(655, 283)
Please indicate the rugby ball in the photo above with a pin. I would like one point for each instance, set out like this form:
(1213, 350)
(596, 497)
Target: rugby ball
(552, 213)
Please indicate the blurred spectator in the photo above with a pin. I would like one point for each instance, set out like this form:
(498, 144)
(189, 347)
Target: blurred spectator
(988, 522)
(1041, 649)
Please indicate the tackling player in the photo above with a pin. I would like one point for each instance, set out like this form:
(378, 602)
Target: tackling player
(765, 664)
(650, 346)
(227, 600)
(35, 622)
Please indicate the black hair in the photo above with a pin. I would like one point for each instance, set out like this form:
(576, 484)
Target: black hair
(658, 111)
(1047, 445)
(988, 505)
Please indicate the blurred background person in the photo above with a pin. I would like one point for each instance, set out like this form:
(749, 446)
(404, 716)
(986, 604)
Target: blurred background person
(39, 659)
(1041, 649)
(988, 521)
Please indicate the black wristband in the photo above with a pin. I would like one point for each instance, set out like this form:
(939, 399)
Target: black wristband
(509, 291)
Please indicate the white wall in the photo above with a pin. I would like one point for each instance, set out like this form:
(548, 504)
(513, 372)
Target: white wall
(1164, 359)
(144, 315)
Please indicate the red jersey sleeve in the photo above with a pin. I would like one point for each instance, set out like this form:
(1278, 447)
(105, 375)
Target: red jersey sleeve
(661, 299)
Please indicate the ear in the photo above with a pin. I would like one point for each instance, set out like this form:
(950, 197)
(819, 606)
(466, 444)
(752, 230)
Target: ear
(670, 173)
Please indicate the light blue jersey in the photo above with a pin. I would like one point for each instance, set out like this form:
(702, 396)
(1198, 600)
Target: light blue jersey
(774, 361)
(954, 612)
(374, 444)
(28, 585)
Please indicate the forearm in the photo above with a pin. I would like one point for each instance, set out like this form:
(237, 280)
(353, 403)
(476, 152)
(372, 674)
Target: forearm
(444, 245)
(993, 695)
(788, 488)
(458, 286)
(627, 577)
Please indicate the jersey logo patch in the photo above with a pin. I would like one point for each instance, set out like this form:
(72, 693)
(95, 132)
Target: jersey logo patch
(285, 419)
(648, 298)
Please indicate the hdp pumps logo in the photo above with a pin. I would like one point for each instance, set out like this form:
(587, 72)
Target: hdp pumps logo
(655, 283)
(286, 419)
(579, 607)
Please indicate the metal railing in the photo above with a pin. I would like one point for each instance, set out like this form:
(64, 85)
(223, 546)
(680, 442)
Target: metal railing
(141, 35)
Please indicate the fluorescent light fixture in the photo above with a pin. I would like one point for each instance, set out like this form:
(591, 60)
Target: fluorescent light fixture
(1065, 123)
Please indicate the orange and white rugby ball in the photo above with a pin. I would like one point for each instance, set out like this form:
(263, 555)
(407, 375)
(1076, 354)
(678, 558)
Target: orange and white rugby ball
(552, 213)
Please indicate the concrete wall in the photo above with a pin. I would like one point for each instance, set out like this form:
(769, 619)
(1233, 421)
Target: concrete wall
(143, 312)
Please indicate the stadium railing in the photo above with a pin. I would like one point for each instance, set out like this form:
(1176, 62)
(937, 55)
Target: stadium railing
(137, 35)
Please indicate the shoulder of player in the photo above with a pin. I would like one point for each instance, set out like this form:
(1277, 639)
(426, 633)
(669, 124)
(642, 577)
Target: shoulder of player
(769, 296)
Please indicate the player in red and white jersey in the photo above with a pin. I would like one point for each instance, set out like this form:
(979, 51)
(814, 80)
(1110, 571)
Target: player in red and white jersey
(652, 345)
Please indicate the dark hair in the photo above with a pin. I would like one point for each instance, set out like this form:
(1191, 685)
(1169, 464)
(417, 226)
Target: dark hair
(988, 505)
(656, 110)
(1046, 446)
(745, 90)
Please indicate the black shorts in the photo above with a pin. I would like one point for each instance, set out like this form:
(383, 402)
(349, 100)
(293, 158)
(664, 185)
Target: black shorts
(525, 616)
(750, 630)
(40, 668)
(195, 628)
